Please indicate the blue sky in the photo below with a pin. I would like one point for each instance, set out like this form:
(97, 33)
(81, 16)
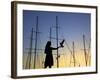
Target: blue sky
(72, 26)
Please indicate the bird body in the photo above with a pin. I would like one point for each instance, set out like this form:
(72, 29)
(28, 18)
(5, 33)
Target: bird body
(61, 44)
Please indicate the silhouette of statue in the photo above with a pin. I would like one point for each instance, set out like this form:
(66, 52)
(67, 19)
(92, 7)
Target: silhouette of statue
(49, 57)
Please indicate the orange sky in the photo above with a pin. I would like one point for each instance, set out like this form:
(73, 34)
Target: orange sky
(65, 60)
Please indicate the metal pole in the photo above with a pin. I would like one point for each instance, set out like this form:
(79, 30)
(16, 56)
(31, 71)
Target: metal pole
(36, 42)
(57, 41)
(73, 54)
(85, 54)
(30, 51)
(50, 33)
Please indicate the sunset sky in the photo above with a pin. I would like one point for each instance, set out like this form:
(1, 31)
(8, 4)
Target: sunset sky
(72, 27)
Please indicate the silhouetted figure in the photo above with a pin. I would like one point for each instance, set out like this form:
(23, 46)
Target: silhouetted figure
(49, 56)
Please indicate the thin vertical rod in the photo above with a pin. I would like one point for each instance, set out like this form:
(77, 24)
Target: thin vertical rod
(30, 51)
(71, 58)
(74, 54)
(50, 33)
(89, 56)
(85, 54)
(57, 41)
(36, 42)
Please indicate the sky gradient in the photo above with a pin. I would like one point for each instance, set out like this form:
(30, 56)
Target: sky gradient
(72, 26)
